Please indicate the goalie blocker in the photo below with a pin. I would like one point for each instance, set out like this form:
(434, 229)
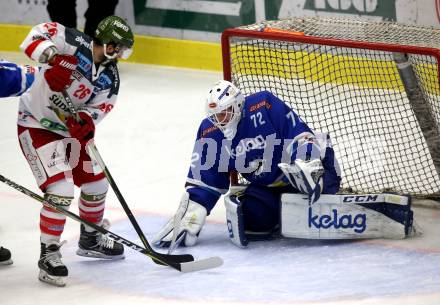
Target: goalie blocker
(347, 216)
(358, 216)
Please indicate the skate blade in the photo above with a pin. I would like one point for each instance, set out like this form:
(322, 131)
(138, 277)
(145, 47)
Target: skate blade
(8, 262)
(58, 281)
(95, 254)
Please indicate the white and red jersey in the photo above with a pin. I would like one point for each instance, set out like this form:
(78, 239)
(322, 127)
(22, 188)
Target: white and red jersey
(94, 89)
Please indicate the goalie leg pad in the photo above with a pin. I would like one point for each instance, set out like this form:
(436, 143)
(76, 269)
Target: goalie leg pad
(254, 214)
(398, 210)
(346, 216)
(235, 221)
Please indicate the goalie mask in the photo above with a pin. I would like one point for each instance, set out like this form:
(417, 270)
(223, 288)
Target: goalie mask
(223, 107)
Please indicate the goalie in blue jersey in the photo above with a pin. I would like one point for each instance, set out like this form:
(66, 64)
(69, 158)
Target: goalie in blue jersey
(265, 141)
(293, 177)
(15, 79)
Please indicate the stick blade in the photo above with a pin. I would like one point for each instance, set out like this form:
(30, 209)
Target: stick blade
(203, 264)
(165, 259)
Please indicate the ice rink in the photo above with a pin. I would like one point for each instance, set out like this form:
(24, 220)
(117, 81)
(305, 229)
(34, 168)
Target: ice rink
(146, 142)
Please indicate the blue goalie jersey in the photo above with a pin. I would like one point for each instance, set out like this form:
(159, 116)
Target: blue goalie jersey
(14, 79)
(269, 133)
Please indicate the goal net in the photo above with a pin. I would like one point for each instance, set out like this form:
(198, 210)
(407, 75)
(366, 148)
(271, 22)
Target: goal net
(373, 86)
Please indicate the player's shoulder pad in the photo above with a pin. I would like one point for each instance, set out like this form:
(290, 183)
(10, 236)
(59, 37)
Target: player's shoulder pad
(208, 130)
(78, 39)
(258, 96)
(80, 45)
(258, 101)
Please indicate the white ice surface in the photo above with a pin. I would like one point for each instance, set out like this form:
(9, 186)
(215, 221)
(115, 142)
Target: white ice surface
(146, 143)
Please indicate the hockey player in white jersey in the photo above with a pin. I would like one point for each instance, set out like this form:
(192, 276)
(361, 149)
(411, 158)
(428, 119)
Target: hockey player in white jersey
(53, 142)
(277, 152)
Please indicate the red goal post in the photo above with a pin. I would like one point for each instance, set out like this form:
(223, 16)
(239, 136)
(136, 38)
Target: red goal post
(374, 86)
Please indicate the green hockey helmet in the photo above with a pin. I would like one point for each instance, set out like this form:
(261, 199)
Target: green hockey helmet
(114, 29)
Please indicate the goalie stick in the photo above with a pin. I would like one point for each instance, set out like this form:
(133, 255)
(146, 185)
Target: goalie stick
(182, 263)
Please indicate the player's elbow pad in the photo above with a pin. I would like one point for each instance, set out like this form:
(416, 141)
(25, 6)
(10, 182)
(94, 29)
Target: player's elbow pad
(48, 54)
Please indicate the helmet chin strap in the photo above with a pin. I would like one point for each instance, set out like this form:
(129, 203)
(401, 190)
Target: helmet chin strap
(115, 54)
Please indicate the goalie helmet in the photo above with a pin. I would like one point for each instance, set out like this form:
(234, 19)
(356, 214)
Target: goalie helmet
(114, 29)
(223, 107)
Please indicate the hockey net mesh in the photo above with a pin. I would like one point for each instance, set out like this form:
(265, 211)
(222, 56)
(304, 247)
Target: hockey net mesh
(354, 94)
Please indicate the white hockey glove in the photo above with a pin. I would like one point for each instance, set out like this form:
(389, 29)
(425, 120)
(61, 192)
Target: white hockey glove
(305, 176)
(185, 225)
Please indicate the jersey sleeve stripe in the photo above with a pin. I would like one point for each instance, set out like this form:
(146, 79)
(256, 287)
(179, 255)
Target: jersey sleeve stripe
(30, 49)
(218, 191)
(36, 48)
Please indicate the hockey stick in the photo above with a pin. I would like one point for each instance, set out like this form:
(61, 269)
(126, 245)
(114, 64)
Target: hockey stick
(97, 157)
(183, 263)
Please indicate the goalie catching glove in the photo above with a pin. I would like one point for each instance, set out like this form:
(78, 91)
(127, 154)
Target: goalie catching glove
(188, 222)
(305, 176)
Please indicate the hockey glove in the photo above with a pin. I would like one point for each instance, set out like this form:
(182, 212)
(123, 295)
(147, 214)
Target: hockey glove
(305, 176)
(59, 76)
(83, 131)
(188, 222)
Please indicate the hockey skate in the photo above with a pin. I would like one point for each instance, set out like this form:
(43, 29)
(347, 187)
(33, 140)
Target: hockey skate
(52, 269)
(97, 245)
(5, 256)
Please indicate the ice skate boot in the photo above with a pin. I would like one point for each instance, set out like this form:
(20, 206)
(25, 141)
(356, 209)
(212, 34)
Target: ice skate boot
(52, 269)
(5, 256)
(97, 245)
